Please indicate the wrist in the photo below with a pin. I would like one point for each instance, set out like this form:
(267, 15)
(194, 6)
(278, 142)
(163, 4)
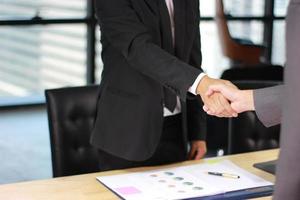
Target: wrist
(249, 101)
(203, 85)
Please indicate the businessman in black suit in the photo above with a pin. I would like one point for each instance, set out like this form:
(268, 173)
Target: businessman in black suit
(152, 58)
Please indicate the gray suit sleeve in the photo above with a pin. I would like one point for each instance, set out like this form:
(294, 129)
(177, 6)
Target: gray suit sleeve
(267, 102)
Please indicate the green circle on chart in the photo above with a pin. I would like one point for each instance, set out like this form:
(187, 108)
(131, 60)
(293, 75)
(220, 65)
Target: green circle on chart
(178, 178)
(169, 173)
(188, 183)
(198, 188)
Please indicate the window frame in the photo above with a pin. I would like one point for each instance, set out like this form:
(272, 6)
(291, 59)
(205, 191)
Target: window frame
(90, 22)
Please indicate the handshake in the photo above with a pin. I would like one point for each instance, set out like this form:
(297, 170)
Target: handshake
(223, 99)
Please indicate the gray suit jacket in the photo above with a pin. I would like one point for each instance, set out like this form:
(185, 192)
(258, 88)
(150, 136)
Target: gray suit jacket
(268, 107)
(267, 102)
(288, 173)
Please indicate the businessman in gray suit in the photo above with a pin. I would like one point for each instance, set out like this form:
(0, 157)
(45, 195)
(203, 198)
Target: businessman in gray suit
(279, 104)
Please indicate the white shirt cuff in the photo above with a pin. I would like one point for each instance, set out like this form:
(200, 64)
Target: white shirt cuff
(193, 88)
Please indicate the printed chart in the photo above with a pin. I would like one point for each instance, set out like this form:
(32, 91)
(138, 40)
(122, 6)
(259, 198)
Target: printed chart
(182, 182)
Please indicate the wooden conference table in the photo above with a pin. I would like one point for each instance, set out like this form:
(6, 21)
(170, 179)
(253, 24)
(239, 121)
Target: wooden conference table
(86, 187)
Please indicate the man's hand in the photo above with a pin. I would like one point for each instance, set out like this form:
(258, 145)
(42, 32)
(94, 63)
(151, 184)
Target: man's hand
(215, 102)
(198, 150)
(240, 100)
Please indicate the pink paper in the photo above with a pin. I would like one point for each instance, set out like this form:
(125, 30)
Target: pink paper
(127, 190)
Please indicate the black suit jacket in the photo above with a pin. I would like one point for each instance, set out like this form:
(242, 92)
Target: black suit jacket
(136, 68)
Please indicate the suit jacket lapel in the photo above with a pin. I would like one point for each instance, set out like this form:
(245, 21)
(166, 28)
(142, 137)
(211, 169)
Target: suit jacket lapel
(152, 5)
(165, 27)
(180, 27)
(184, 27)
(184, 11)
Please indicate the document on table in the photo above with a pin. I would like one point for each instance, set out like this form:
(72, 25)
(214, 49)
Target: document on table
(182, 182)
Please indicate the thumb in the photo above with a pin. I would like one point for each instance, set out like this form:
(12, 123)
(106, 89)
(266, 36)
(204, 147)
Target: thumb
(226, 91)
(213, 89)
(210, 92)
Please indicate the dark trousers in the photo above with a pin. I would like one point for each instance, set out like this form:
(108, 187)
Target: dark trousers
(169, 150)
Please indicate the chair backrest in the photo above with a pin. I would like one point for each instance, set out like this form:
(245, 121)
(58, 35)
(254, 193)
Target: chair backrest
(262, 73)
(71, 113)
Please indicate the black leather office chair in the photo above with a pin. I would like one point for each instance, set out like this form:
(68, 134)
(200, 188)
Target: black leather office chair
(245, 133)
(263, 72)
(71, 113)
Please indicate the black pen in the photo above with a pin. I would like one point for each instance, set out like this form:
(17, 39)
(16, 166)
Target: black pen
(224, 175)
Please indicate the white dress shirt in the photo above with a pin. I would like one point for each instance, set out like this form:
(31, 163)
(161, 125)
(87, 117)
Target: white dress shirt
(193, 88)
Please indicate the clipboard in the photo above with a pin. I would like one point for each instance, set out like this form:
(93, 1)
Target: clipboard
(188, 182)
(236, 195)
(269, 166)
(242, 194)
